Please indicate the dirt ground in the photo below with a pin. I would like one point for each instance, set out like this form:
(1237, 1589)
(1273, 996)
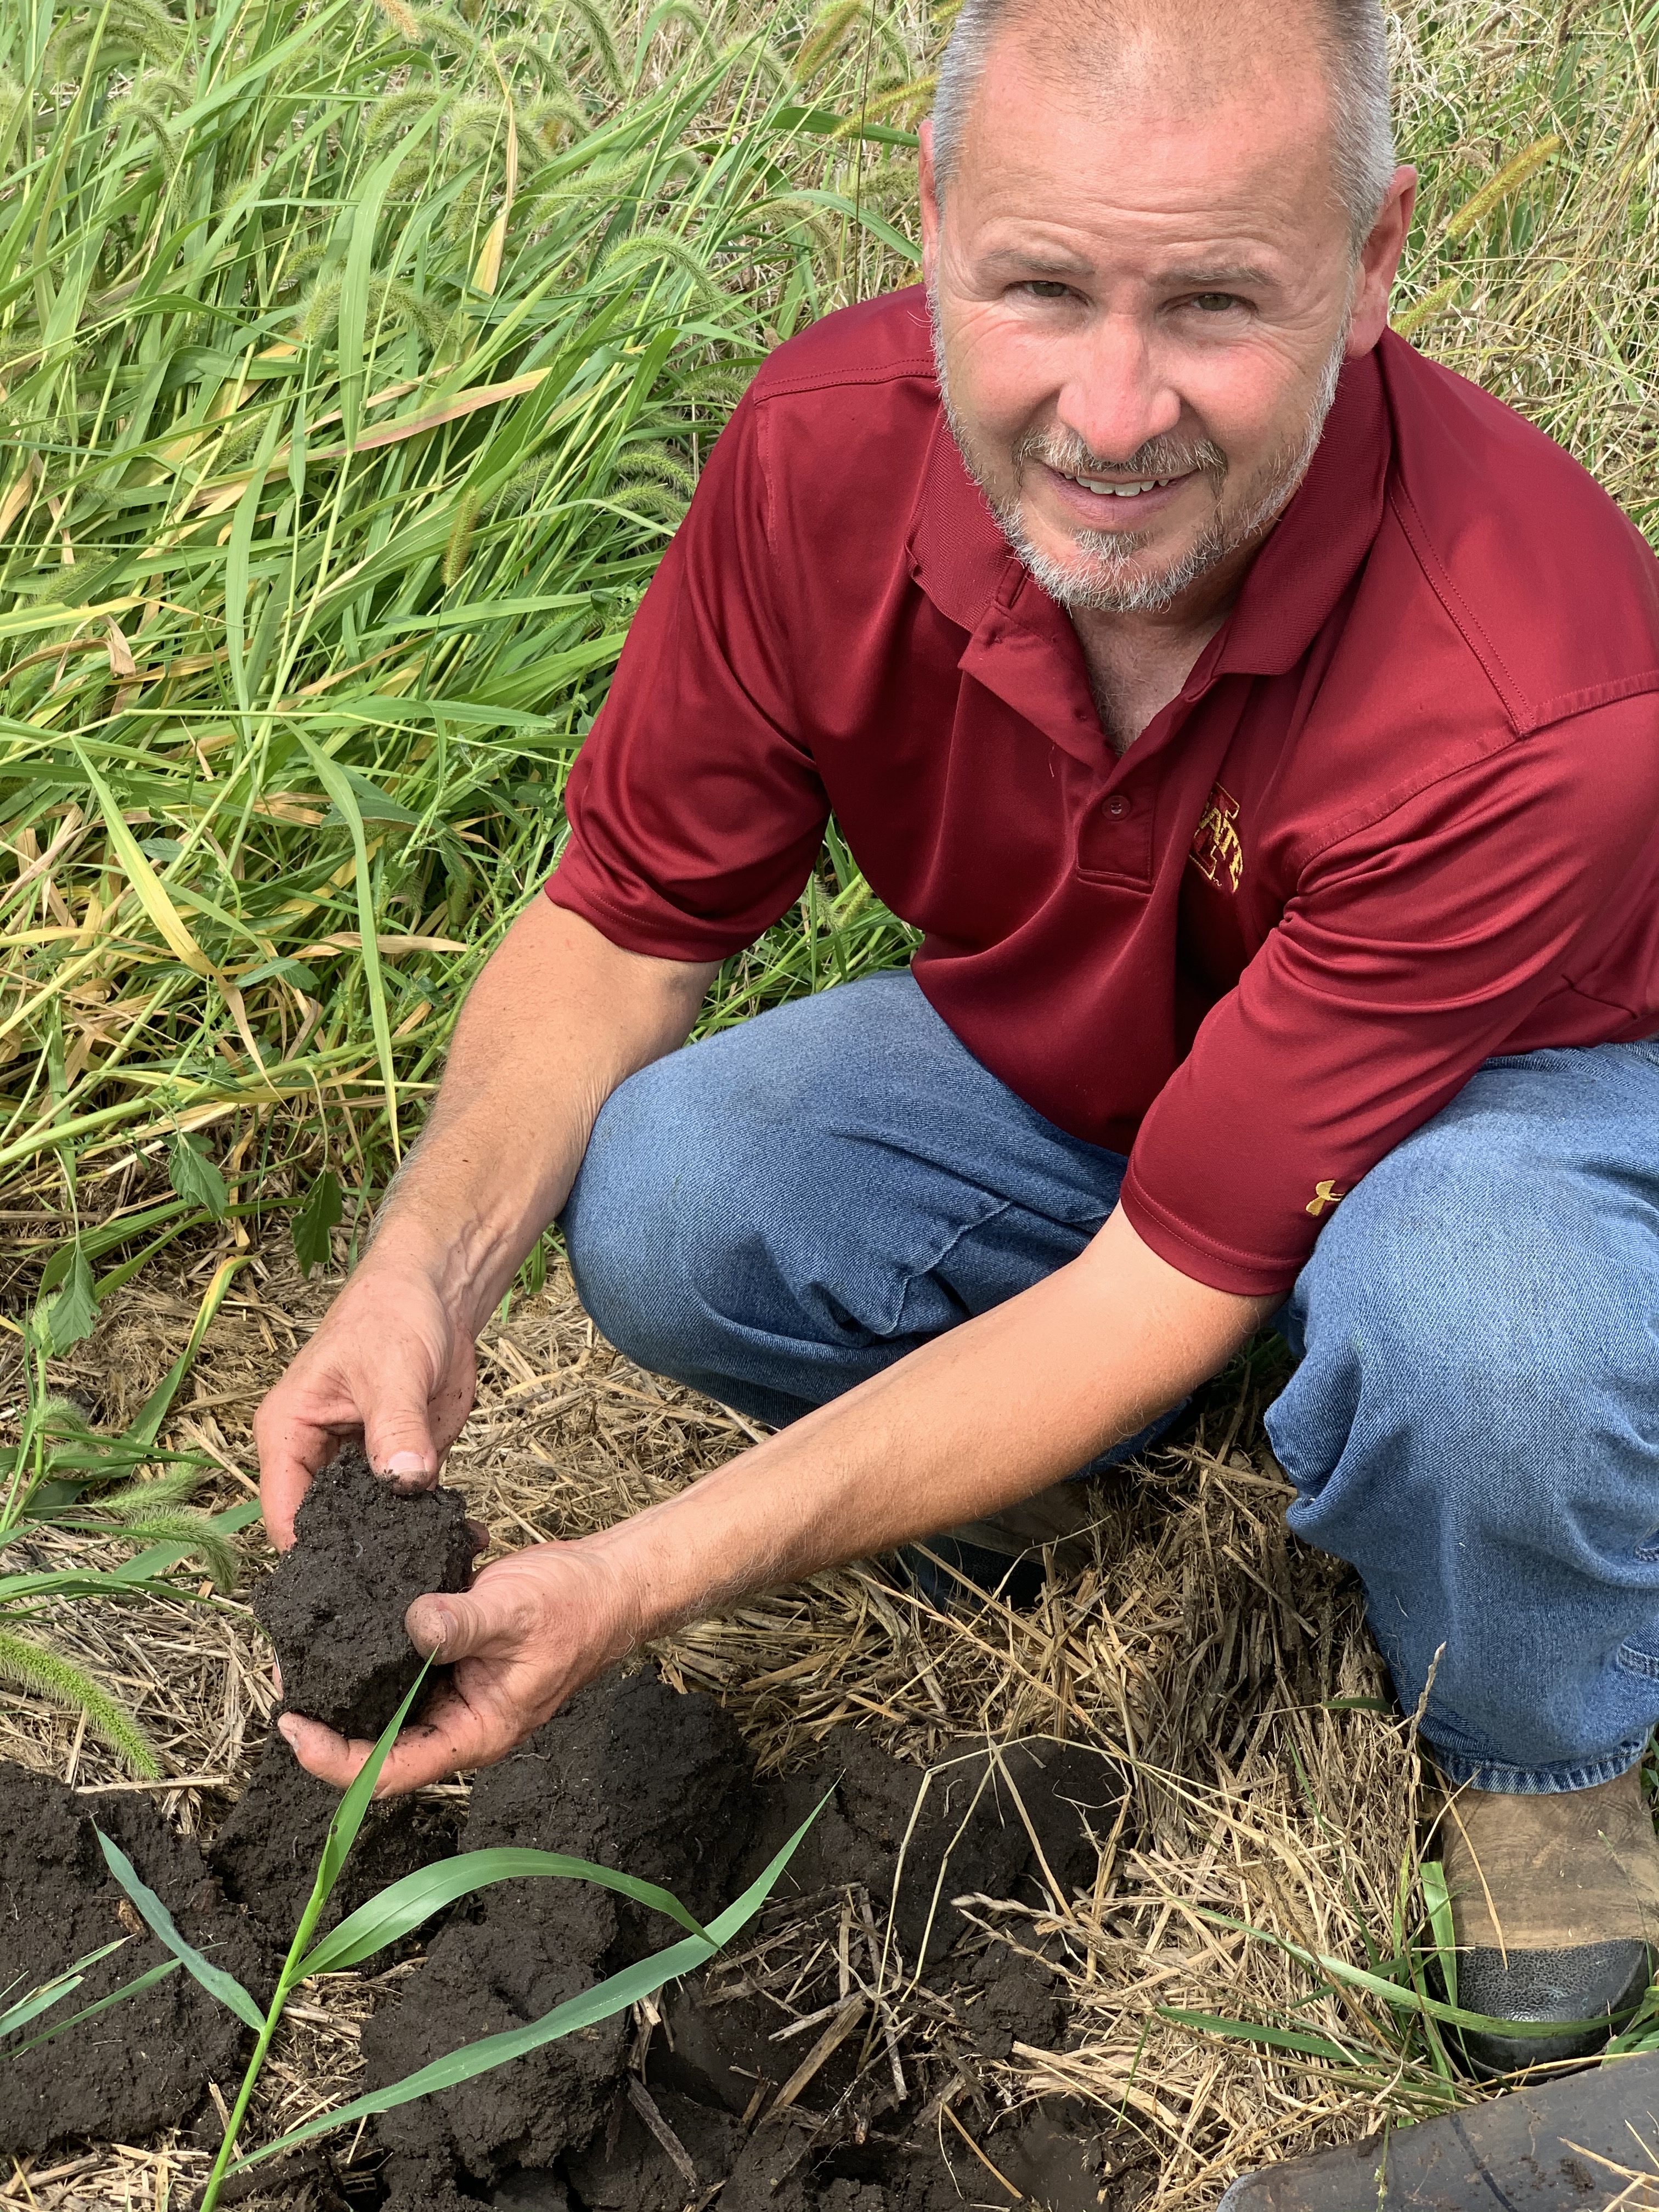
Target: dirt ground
(1275, 1791)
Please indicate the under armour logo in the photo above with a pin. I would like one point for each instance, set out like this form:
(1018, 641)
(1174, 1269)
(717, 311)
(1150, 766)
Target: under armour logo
(1325, 1193)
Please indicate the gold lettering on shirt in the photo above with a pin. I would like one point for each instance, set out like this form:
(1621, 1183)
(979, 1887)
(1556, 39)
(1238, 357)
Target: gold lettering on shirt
(1325, 1193)
(1217, 854)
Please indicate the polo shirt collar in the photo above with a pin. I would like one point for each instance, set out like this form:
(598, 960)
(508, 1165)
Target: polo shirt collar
(961, 560)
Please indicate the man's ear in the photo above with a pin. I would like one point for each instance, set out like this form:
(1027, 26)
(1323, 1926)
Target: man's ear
(927, 185)
(1379, 264)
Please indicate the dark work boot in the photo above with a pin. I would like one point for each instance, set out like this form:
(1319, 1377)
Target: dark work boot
(1554, 1903)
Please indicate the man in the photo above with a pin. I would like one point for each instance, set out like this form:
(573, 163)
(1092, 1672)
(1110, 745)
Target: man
(1261, 725)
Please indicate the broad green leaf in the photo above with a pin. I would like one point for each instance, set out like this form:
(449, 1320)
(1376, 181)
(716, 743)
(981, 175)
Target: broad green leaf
(407, 1903)
(321, 1211)
(73, 1313)
(196, 1178)
(609, 1997)
(214, 1979)
(132, 1988)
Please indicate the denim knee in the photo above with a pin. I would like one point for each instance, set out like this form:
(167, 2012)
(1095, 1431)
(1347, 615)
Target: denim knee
(1474, 1424)
(630, 1223)
(1477, 1317)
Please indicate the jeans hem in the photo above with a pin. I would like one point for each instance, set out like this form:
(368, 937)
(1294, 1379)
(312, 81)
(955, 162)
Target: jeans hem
(1506, 1781)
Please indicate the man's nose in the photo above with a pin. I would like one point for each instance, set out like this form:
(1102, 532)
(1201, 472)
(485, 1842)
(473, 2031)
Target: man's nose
(1114, 396)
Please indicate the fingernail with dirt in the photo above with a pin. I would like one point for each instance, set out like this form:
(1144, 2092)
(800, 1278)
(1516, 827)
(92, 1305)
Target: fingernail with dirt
(406, 1472)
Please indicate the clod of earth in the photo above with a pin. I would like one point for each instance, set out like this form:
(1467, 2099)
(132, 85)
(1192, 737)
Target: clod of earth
(265, 1854)
(633, 1775)
(145, 2065)
(334, 1607)
(802, 2075)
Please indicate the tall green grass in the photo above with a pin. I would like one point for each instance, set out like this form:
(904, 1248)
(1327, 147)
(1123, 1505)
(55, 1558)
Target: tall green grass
(358, 365)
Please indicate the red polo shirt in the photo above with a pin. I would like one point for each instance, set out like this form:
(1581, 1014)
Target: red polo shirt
(1402, 815)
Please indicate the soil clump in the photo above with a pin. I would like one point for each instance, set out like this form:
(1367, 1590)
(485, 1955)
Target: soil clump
(805, 2071)
(265, 1854)
(863, 1961)
(334, 1606)
(145, 2064)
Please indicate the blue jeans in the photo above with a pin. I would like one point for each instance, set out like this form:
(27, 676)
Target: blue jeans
(777, 1214)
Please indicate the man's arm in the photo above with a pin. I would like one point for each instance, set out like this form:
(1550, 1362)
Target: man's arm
(989, 1412)
(557, 1019)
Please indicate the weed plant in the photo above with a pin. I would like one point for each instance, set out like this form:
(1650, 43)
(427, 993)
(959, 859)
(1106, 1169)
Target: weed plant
(397, 1911)
(62, 1479)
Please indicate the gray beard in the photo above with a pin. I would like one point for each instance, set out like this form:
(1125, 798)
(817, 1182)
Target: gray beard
(1105, 578)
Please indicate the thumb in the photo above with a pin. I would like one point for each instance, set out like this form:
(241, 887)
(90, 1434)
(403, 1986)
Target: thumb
(397, 1436)
(450, 1625)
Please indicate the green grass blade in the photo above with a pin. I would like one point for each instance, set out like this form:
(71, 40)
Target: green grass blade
(612, 1996)
(1436, 1902)
(143, 1430)
(407, 1903)
(350, 1813)
(1270, 2038)
(1399, 1996)
(236, 562)
(132, 1988)
(54, 1992)
(337, 785)
(214, 1979)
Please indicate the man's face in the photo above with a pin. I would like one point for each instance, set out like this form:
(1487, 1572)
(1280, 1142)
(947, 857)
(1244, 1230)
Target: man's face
(1143, 290)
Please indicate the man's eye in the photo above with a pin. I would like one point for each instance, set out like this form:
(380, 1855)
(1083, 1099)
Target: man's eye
(1043, 288)
(1216, 303)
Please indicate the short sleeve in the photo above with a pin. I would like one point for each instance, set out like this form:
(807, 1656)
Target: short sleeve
(696, 812)
(1410, 953)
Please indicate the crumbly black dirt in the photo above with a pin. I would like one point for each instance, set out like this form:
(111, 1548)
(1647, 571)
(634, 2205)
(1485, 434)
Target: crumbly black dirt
(334, 1607)
(630, 1775)
(145, 2064)
(266, 1853)
(967, 1837)
(634, 1776)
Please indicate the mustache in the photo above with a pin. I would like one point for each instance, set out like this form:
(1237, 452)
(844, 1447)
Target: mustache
(1165, 456)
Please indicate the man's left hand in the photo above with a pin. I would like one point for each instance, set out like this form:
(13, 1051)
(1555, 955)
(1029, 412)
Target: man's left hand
(533, 1628)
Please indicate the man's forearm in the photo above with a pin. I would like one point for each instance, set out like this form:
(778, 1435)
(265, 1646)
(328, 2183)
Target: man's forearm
(556, 1020)
(990, 1412)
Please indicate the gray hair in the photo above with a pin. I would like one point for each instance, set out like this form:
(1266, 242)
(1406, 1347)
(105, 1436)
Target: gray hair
(1356, 55)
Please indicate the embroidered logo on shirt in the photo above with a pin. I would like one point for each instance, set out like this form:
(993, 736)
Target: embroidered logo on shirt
(1325, 1193)
(1217, 854)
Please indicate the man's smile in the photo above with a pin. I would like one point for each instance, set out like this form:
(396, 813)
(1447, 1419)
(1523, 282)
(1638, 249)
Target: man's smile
(1094, 499)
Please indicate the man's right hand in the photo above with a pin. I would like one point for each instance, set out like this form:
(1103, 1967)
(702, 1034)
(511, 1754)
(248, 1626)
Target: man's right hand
(391, 1361)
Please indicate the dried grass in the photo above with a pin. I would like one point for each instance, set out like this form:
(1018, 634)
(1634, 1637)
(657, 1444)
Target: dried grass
(1202, 1647)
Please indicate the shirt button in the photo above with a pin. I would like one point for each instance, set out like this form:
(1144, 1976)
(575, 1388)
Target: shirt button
(1117, 807)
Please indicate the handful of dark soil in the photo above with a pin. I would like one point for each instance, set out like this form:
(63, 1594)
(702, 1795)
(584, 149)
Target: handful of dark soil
(334, 1607)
